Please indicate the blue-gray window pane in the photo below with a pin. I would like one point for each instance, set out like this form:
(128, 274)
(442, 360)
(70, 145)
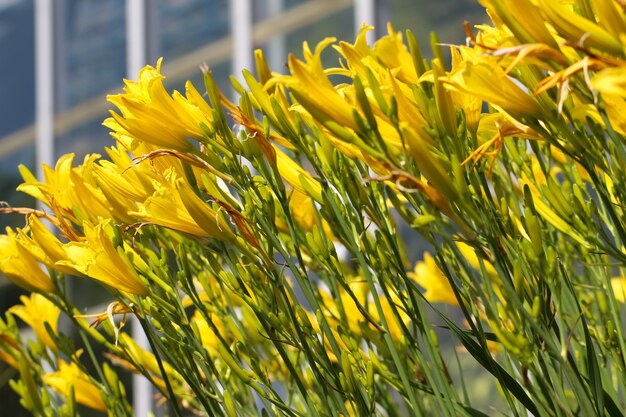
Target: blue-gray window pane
(444, 17)
(92, 49)
(339, 25)
(90, 137)
(185, 25)
(17, 101)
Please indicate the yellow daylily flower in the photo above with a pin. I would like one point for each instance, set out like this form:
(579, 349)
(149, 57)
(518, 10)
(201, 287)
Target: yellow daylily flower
(618, 286)
(490, 38)
(303, 209)
(150, 114)
(70, 376)
(44, 245)
(394, 54)
(314, 91)
(490, 83)
(576, 29)
(20, 266)
(581, 112)
(428, 275)
(71, 192)
(615, 107)
(144, 359)
(470, 104)
(610, 16)
(470, 255)
(98, 259)
(304, 213)
(358, 323)
(208, 219)
(392, 75)
(492, 130)
(523, 18)
(610, 81)
(208, 337)
(55, 189)
(35, 311)
(176, 206)
(124, 183)
(296, 176)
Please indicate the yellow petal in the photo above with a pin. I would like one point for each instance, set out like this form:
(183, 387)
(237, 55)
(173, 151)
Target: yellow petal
(21, 267)
(428, 275)
(578, 30)
(35, 311)
(490, 83)
(208, 219)
(150, 114)
(297, 177)
(98, 259)
(70, 376)
(618, 285)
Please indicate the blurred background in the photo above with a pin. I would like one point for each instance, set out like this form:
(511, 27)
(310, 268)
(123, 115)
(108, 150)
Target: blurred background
(60, 58)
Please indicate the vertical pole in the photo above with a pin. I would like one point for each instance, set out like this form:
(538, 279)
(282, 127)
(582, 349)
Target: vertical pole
(241, 33)
(365, 12)
(44, 85)
(135, 37)
(136, 54)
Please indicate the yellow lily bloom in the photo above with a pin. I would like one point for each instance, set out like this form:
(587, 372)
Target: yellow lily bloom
(296, 176)
(358, 323)
(204, 216)
(611, 17)
(394, 54)
(393, 73)
(523, 18)
(493, 129)
(44, 245)
(149, 113)
(428, 275)
(144, 359)
(56, 185)
(618, 285)
(304, 213)
(35, 311)
(71, 192)
(20, 266)
(576, 29)
(70, 376)
(313, 89)
(176, 206)
(611, 83)
(615, 107)
(490, 83)
(303, 210)
(98, 259)
(470, 104)
(470, 255)
(208, 337)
